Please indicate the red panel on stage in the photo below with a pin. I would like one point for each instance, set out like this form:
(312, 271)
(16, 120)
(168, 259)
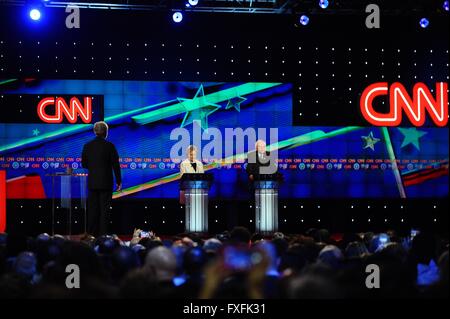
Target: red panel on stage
(25, 187)
(2, 201)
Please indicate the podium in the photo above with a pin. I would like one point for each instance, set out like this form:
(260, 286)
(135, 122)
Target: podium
(266, 202)
(195, 187)
(69, 193)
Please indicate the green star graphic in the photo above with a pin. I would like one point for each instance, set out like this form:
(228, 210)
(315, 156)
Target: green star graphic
(411, 136)
(235, 102)
(198, 109)
(36, 132)
(370, 141)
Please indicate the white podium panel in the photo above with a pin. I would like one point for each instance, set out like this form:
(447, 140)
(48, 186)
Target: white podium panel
(266, 206)
(196, 210)
(195, 187)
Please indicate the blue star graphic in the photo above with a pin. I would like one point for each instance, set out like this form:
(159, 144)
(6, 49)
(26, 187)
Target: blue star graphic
(411, 136)
(370, 141)
(36, 132)
(198, 109)
(235, 102)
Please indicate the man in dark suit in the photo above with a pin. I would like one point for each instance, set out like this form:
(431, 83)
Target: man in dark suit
(259, 162)
(100, 157)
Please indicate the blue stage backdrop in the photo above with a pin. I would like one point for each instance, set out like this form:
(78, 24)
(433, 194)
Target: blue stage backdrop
(332, 162)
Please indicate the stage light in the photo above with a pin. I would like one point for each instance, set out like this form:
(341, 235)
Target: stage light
(323, 4)
(304, 20)
(35, 14)
(424, 23)
(177, 17)
(445, 6)
(193, 2)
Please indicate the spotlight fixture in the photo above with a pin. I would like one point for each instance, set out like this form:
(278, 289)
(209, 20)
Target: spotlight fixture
(445, 6)
(193, 3)
(323, 4)
(304, 20)
(35, 14)
(177, 17)
(424, 23)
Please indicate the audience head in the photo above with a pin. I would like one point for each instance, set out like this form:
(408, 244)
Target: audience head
(212, 245)
(162, 262)
(25, 265)
(332, 256)
(240, 235)
(124, 259)
(194, 261)
(356, 249)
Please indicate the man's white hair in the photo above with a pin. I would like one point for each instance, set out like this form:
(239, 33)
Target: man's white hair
(101, 128)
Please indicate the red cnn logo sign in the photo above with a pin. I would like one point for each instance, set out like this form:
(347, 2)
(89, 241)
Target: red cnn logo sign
(69, 111)
(400, 101)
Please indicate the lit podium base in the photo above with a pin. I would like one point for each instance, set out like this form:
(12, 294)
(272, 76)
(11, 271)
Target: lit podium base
(69, 196)
(195, 188)
(266, 205)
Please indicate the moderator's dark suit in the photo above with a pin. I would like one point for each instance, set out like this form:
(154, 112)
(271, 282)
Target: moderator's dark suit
(101, 159)
(254, 164)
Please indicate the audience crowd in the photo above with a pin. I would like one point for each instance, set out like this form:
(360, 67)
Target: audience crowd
(235, 264)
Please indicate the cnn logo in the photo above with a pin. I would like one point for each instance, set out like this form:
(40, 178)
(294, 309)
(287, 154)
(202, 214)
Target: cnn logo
(401, 102)
(61, 108)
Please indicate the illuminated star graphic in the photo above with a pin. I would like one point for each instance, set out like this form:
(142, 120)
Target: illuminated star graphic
(370, 141)
(235, 102)
(36, 132)
(198, 109)
(411, 136)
